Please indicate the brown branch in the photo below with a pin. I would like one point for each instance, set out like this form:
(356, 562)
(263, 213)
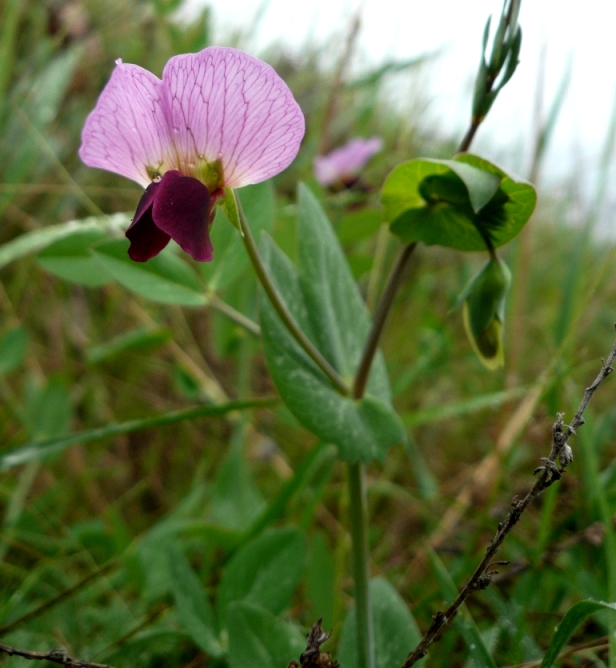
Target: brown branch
(552, 470)
(313, 657)
(53, 655)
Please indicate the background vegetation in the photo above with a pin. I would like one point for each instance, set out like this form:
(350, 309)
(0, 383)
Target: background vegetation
(88, 527)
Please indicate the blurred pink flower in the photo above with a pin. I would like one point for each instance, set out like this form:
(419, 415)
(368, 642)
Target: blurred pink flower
(218, 119)
(342, 165)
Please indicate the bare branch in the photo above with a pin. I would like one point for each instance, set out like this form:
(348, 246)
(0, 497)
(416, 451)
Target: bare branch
(551, 470)
(53, 655)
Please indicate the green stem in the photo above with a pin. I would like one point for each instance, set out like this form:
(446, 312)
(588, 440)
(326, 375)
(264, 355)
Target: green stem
(281, 308)
(380, 317)
(361, 574)
(235, 316)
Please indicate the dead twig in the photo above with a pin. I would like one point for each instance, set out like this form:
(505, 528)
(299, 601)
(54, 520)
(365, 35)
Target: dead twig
(313, 657)
(551, 470)
(53, 655)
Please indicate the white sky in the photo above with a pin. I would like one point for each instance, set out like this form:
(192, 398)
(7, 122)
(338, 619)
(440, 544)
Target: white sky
(402, 29)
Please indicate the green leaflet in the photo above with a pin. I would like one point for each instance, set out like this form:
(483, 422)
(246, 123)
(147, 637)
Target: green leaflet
(323, 297)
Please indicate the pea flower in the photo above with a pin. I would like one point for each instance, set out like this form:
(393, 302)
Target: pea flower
(341, 167)
(218, 119)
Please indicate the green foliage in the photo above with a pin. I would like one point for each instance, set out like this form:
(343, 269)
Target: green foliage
(259, 639)
(37, 240)
(456, 203)
(194, 611)
(71, 258)
(322, 296)
(264, 572)
(14, 456)
(13, 346)
(574, 617)
(165, 278)
(203, 481)
(395, 630)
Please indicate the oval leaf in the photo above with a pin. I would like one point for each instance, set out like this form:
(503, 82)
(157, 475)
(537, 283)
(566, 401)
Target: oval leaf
(324, 299)
(193, 608)
(165, 278)
(265, 572)
(258, 639)
(34, 241)
(70, 258)
(395, 630)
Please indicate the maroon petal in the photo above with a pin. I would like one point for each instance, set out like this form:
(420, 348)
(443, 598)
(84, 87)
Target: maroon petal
(146, 239)
(180, 210)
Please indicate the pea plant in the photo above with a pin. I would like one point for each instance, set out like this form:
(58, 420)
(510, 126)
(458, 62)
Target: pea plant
(203, 141)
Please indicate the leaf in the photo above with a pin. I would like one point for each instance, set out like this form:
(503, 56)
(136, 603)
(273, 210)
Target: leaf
(48, 410)
(35, 101)
(317, 458)
(359, 224)
(265, 571)
(321, 580)
(193, 608)
(34, 241)
(14, 456)
(230, 257)
(395, 630)
(235, 501)
(165, 278)
(424, 201)
(140, 340)
(258, 639)
(493, 400)
(325, 301)
(13, 346)
(574, 617)
(70, 258)
(463, 620)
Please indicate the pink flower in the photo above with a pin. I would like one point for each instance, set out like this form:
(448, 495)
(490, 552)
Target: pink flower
(342, 165)
(218, 119)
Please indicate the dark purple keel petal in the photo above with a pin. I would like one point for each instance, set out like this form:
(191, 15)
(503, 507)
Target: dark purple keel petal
(180, 209)
(146, 240)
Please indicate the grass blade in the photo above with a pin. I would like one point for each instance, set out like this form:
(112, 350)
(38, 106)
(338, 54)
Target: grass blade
(10, 457)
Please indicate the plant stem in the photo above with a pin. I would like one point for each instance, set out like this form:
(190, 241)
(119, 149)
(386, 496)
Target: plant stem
(234, 315)
(357, 485)
(380, 317)
(281, 308)
(361, 574)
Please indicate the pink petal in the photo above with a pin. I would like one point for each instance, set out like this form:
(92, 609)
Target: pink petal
(127, 131)
(347, 161)
(224, 104)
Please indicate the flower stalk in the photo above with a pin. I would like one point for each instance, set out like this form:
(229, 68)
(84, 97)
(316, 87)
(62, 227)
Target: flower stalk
(281, 308)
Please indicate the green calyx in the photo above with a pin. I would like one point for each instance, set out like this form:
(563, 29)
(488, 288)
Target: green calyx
(210, 174)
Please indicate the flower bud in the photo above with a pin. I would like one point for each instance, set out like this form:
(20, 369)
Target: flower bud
(483, 302)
